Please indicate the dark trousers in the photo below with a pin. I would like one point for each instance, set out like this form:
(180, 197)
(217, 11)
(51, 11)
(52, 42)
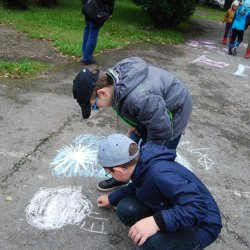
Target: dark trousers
(89, 42)
(236, 34)
(130, 210)
(228, 30)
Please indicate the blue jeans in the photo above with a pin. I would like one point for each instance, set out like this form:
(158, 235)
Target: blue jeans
(169, 144)
(89, 41)
(130, 210)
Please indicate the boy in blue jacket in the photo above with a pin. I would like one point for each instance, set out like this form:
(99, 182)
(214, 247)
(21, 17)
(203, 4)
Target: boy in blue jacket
(238, 26)
(165, 205)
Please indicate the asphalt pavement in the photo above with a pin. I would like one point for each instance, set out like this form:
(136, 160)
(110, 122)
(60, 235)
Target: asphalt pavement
(48, 190)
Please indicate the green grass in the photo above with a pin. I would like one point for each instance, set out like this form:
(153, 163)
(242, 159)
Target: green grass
(21, 68)
(64, 25)
(210, 13)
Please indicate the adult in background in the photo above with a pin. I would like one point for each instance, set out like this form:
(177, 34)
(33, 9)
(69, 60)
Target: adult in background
(154, 103)
(92, 27)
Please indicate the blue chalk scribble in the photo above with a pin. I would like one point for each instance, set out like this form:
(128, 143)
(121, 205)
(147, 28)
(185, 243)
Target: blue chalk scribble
(79, 158)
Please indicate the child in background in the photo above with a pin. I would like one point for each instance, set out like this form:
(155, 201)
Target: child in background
(238, 26)
(228, 19)
(248, 46)
(166, 206)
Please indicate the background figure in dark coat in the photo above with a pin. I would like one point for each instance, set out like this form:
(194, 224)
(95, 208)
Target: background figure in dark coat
(91, 31)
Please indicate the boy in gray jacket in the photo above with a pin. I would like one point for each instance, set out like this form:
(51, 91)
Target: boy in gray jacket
(152, 101)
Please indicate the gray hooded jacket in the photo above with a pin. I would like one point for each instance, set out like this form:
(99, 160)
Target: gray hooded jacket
(150, 99)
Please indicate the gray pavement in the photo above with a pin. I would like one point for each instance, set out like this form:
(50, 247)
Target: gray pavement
(38, 116)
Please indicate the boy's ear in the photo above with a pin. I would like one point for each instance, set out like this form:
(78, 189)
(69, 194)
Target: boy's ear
(102, 92)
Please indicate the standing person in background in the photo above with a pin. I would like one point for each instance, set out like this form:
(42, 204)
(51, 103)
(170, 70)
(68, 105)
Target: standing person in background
(228, 19)
(154, 103)
(92, 27)
(248, 46)
(238, 26)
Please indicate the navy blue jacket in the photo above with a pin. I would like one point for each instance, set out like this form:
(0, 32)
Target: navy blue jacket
(176, 195)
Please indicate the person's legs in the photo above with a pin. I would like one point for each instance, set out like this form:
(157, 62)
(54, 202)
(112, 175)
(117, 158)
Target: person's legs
(91, 42)
(130, 210)
(184, 239)
(85, 35)
(231, 45)
(248, 46)
(227, 30)
(239, 38)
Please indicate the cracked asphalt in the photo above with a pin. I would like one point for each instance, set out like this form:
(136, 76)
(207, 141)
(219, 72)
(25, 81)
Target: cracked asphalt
(38, 116)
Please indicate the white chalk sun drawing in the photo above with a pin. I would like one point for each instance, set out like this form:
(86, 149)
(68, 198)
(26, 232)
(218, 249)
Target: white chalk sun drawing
(79, 158)
(53, 208)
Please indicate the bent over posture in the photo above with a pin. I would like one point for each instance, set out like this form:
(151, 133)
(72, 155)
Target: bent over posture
(152, 101)
(166, 206)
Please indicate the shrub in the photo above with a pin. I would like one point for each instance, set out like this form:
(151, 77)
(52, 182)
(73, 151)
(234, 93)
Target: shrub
(19, 4)
(25, 4)
(168, 13)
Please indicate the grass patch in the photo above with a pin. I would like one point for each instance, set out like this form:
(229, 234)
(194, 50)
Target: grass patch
(209, 13)
(22, 68)
(64, 25)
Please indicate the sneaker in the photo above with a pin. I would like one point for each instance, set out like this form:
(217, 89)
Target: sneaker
(234, 51)
(93, 61)
(110, 184)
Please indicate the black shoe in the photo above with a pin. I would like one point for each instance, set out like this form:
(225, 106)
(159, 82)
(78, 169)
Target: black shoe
(93, 61)
(110, 184)
(234, 51)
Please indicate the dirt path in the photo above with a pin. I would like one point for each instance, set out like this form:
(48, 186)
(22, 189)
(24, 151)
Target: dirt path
(16, 45)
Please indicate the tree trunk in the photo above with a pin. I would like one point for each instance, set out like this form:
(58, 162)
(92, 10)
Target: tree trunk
(227, 4)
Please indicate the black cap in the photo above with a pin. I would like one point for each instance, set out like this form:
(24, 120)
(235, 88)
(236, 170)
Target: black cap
(83, 87)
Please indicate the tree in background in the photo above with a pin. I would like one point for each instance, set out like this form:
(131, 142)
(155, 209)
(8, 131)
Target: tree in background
(168, 13)
(227, 4)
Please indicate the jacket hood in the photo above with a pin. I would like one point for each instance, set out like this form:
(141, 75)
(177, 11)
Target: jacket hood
(152, 153)
(131, 72)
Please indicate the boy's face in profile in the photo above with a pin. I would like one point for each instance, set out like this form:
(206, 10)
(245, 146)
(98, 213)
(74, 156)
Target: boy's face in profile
(121, 173)
(104, 97)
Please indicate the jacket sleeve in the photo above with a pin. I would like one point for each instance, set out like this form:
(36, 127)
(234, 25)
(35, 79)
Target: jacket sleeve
(121, 193)
(225, 16)
(150, 111)
(189, 206)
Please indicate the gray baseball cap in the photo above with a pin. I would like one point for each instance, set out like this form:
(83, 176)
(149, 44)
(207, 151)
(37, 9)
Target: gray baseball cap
(114, 150)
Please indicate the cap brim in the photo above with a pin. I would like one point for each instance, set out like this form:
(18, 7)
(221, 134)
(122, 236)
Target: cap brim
(86, 110)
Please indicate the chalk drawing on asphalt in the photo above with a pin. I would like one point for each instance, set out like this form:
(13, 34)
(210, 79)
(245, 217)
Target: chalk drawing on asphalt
(202, 43)
(241, 69)
(203, 158)
(94, 224)
(183, 161)
(79, 158)
(53, 208)
(205, 60)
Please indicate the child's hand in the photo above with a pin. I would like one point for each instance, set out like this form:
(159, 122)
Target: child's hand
(103, 201)
(142, 230)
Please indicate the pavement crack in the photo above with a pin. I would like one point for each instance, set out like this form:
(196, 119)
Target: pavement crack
(42, 142)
